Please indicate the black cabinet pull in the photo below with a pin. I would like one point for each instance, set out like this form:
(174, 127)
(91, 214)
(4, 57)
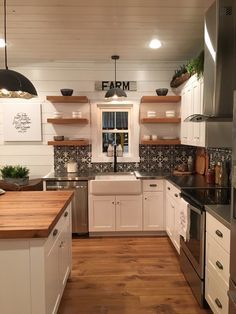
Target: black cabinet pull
(55, 232)
(168, 188)
(218, 303)
(66, 214)
(153, 185)
(176, 195)
(219, 233)
(219, 265)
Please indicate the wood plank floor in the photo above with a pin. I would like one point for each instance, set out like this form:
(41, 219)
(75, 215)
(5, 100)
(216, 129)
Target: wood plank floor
(127, 276)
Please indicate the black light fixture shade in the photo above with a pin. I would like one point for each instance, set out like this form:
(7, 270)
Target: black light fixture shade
(12, 83)
(15, 85)
(115, 92)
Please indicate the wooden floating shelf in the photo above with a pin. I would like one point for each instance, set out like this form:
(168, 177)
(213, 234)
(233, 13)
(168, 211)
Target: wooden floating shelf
(161, 142)
(161, 120)
(69, 143)
(68, 99)
(67, 120)
(160, 99)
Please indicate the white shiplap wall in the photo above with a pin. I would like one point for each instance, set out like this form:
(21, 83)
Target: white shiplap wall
(50, 78)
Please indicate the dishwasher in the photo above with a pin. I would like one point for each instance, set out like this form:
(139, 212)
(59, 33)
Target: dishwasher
(79, 202)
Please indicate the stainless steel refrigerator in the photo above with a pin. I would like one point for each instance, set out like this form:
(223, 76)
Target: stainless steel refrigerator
(232, 283)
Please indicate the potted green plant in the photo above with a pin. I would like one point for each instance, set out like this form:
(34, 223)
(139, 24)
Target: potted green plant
(15, 174)
(196, 65)
(181, 75)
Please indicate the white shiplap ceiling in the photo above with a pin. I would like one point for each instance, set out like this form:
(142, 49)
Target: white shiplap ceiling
(92, 30)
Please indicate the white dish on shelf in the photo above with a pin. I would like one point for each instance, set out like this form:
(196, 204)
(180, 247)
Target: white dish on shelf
(146, 137)
(169, 138)
(170, 113)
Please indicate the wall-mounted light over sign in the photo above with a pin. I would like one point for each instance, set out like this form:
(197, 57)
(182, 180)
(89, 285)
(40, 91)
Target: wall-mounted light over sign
(115, 92)
(12, 83)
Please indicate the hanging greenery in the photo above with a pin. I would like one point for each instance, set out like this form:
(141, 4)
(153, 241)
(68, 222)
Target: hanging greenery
(183, 73)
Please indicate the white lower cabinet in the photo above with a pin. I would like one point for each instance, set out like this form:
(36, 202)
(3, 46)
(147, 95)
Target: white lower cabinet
(153, 207)
(34, 271)
(129, 213)
(102, 213)
(153, 218)
(115, 213)
(217, 265)
(172, 214)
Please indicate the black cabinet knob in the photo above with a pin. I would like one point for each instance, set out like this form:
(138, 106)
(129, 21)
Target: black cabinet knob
(55, 232)
(219, 233)
(218, 303)
(66, 214)
(219, 265)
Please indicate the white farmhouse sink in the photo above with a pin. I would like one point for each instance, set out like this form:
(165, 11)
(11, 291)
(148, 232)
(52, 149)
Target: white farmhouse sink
(115, 184)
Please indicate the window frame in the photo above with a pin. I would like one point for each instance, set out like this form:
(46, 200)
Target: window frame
(97, 132)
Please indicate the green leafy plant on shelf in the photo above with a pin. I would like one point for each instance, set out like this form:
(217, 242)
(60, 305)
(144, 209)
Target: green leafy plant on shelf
(183, 73)
(196, 65)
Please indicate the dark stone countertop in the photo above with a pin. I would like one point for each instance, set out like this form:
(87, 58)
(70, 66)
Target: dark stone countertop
(64, 176)
(151, 175)
(221, 213)
(190, 181)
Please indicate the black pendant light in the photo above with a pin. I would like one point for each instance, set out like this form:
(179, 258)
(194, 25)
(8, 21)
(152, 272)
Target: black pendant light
(115, 92)
(12, 83)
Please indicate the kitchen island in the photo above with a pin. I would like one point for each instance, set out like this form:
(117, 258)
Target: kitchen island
(35, 250)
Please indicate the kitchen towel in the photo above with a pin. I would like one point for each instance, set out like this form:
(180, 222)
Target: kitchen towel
(184, 220)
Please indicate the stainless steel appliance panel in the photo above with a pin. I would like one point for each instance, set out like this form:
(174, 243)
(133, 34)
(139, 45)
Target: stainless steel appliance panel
(195, 282)
(80, 206)
(79, 202)
(232, 297)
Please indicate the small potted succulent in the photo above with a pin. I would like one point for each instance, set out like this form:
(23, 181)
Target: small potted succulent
(15, 174)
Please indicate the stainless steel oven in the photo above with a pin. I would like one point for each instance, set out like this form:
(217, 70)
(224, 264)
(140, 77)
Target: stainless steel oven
(192, 250)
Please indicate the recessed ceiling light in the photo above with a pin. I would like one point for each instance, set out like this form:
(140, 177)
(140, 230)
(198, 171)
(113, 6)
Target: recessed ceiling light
(2, 43)
(155, 44)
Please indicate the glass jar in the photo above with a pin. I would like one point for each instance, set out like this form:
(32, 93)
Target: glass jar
(210, 176)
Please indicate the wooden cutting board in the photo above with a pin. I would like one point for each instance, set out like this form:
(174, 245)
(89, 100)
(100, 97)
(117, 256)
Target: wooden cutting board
(200, 164)
(181, 173)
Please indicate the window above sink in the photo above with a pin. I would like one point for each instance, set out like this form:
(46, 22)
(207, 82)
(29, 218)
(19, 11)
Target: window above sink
(115, 124)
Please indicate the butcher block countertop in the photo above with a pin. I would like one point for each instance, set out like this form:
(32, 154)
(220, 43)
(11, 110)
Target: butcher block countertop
(31, 214)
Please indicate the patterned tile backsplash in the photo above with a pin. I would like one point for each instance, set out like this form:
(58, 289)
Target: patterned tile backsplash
(153, 158)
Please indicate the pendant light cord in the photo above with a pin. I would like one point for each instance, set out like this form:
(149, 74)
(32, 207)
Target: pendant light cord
(5, 32)
(115, 72)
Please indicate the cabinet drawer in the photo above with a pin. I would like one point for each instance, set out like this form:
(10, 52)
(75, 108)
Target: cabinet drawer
(64, 220)
(152, 185)
(215, 295)
(217, 261)
(172, 190)
(218, 231)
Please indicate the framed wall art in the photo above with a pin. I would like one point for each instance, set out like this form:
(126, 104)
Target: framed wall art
(22, 122)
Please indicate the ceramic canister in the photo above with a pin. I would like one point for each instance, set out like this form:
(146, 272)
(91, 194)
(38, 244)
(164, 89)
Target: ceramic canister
(72, 166)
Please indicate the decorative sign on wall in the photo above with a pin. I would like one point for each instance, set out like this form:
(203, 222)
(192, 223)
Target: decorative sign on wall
(22, 122)
(125, 85)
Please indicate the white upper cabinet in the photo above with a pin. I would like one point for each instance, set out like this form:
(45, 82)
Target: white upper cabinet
(192, 103)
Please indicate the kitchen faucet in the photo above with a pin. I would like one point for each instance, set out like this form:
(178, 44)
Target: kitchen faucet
(115, 159)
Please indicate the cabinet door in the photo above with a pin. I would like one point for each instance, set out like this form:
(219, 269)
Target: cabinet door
(176, 237)
(128, 212)
(52, 280)
(65, 251)
(170, 216)
(153, 211)
(102, 213)
(198, 128)
(186, 111)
